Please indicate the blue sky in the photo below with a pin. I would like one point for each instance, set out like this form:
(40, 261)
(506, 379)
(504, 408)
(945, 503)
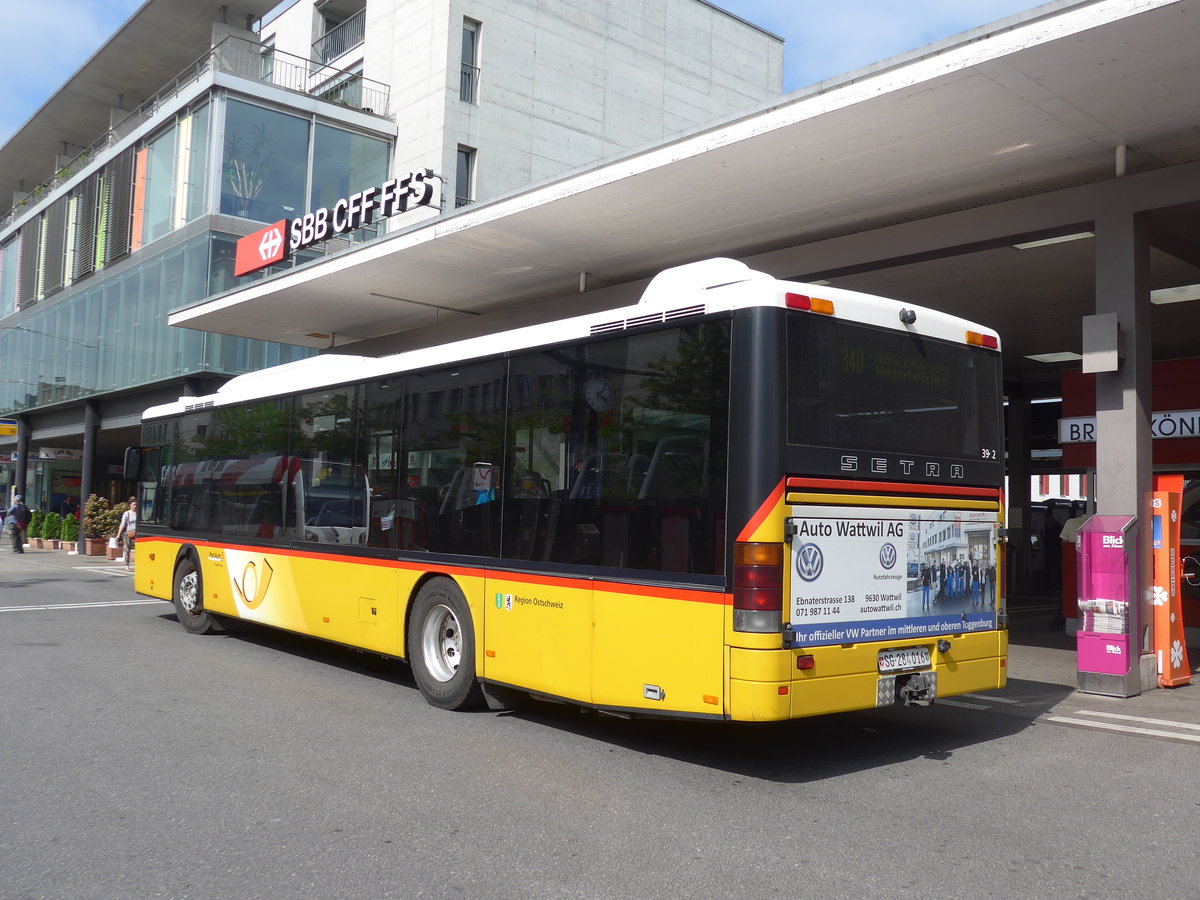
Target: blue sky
(823, 39)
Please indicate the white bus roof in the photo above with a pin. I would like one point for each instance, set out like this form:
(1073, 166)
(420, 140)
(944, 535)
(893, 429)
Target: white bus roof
(700, 288)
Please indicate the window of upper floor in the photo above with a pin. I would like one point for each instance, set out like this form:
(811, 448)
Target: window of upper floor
(468, 89)
(464, 177)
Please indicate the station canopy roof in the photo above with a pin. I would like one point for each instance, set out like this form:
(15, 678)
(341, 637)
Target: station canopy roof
(863, 180)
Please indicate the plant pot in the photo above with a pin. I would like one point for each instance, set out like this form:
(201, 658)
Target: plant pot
(95, 546)
(35, 543)
(113, 552)
(54, 545)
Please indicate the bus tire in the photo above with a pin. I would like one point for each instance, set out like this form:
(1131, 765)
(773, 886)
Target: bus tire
(188, 597)
(441, 647)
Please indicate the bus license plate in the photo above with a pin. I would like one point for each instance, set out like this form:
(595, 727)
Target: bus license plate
(903, 660)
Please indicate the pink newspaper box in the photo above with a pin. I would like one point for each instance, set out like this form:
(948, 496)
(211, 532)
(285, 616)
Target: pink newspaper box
(1103, 636)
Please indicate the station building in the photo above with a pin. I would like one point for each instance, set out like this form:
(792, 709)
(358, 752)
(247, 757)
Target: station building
(1040, 175)
(127, 191)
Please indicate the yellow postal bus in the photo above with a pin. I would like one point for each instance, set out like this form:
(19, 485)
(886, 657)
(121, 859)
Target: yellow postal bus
(742, 499)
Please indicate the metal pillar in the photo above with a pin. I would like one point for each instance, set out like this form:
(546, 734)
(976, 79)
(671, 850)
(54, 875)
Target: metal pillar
(1124, 452)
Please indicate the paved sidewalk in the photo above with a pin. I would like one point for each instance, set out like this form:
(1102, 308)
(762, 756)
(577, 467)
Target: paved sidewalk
(1042, 654)
(56, 557)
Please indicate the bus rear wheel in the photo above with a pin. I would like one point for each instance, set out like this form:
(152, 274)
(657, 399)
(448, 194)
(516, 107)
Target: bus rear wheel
(188, 597)
(441, 647)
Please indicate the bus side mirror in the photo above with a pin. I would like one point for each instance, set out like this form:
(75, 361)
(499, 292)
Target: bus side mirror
(141, 464)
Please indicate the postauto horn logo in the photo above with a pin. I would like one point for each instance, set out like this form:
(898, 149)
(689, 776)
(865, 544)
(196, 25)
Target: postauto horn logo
(887, 555)
(809, 562)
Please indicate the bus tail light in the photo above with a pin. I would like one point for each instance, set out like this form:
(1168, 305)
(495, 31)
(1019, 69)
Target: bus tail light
(808, 304)
(758, 587)
(991, 342)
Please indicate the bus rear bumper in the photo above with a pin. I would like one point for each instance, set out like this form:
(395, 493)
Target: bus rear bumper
(767, 686)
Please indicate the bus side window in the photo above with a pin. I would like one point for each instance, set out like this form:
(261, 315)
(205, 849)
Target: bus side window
(677, 469)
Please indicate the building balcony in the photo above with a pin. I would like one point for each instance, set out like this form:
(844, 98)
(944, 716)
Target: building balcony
(340, 40)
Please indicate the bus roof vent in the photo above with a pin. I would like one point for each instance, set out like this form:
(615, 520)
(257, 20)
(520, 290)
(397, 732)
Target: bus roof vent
(649, 319)
(685, 283)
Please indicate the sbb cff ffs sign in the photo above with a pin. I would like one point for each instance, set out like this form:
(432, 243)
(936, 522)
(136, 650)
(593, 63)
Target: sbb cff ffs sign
(276, 242)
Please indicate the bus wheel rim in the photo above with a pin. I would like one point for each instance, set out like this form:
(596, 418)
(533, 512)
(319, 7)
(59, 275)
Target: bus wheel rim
(441, 641)
(187, 593)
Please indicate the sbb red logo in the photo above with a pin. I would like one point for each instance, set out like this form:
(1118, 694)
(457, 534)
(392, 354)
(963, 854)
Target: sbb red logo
(265, 247)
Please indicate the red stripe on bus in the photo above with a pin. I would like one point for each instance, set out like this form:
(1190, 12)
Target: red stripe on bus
(611, 587)
(765, 510)
(892, 487)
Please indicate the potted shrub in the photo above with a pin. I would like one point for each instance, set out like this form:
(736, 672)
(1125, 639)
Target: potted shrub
(70, 532)
(51, 530)
(97, 516)
(33, 533)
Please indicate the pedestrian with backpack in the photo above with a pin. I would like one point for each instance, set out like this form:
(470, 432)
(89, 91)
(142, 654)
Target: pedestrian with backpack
(17, 521)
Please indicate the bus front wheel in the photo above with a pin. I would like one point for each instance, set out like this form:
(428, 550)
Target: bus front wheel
(188, 597)
(441, 646)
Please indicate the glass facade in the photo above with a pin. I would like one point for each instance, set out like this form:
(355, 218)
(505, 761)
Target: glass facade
(345, 163)
(114, 334)
(107, 332)
(264, 166)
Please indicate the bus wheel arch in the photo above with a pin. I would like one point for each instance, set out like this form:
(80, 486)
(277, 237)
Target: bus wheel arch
(187, 594)
(441, 645)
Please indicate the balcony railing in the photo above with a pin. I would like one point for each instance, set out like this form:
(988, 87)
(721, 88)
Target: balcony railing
(468, 84)
(340, 40)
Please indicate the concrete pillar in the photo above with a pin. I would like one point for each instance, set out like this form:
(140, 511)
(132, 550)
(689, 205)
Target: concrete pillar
(1124, 454)
(91, 436)
(1019, 423)
(21, 476)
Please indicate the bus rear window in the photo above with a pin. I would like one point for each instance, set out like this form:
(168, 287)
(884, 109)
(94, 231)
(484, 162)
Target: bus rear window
(863, 388)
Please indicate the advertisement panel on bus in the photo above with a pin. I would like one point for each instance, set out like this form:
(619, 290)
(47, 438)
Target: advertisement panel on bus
(869, 574)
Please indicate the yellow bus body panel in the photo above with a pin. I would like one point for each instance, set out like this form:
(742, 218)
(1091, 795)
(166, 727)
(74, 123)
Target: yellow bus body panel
(607, 645)
(659, 653)
(538, 635)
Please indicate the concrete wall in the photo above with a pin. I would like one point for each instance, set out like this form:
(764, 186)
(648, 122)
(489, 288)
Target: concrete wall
(563, 83)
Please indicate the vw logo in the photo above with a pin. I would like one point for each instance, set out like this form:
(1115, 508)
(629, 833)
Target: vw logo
(887, 555)
(809, 562)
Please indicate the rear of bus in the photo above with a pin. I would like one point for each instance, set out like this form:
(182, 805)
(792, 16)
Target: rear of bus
(865, 505)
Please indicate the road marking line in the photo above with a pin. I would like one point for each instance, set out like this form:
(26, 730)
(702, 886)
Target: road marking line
(1124, 718)
(962, 704)
(1126, 729)
(991, 699)
(78, 605)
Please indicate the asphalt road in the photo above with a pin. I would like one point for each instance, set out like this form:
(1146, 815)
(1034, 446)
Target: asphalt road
(139, 761)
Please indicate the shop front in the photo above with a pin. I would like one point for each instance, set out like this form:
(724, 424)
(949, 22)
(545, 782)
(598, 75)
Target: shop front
(1175, 427)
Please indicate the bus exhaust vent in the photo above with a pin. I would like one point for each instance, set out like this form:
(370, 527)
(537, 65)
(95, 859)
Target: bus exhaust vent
(650, 319)
(205, 405)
